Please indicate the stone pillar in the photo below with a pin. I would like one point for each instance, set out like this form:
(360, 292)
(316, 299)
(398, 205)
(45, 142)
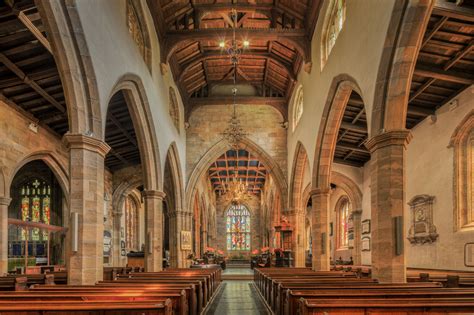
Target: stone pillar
(177, 224)
(86, 172)
(153, 230)
(4, 203)
(117, 225)
(388, 202)
(320, 229)
(357, 222)
(296, 218)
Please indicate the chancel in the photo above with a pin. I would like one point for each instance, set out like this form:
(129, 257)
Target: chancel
(236, 156)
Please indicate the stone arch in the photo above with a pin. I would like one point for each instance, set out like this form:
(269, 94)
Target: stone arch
(172, 158)
(140, 112)
(74, 64)
(338, 96)
(297, 177)
(220, 148)
(462, 142)
(402, 44)
(349, 187)
(59, 170)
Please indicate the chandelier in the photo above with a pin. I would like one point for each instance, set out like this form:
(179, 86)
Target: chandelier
(234, 133)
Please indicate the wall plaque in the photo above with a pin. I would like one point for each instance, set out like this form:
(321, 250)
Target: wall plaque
(186, 240)
(422, 229)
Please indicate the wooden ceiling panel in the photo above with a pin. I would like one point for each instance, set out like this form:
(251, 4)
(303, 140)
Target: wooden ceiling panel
(278, 32)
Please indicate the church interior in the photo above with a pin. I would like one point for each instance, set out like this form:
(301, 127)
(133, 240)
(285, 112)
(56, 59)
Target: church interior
(236, 157)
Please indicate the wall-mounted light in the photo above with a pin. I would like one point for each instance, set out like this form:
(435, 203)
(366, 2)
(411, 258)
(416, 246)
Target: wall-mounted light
(33, 127)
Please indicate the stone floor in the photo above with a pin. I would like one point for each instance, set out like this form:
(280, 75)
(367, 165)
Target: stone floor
(237, 297)
(237, 271)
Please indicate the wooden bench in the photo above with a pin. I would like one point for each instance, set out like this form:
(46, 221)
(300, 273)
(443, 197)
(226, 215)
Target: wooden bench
(412, 306)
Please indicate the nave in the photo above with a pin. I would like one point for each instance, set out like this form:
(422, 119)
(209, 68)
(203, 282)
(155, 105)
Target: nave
(219, 156)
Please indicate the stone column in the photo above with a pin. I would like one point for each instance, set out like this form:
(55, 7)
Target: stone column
(177, 224)
(296, 218)
(4, 203)
(117, 224)
(356, 251)
(153, 230)
(86, 172)
(388, 203)
(320, 229)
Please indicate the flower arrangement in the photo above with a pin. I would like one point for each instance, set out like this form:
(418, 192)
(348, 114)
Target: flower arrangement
(255, 252)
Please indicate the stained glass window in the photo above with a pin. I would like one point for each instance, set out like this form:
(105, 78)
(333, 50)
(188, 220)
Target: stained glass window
(238, 228)
(130, 223)
(36, 207)
(344, 224)
(298, 107)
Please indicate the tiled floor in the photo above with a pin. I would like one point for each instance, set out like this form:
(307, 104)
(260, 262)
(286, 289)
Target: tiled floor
(238, 271)
(237, 297)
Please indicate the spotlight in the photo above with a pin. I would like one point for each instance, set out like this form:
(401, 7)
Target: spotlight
(222, 44)
(246, 43)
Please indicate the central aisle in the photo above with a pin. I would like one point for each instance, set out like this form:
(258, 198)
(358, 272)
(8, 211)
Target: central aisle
(237, 297)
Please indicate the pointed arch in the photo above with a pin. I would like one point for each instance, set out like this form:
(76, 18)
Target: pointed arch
(172, 158)
(75, 67)
(220, 148)
(58, 168)
(402, 45)
(140, 112)
(349, 187)
(338, 96)
(300, 163)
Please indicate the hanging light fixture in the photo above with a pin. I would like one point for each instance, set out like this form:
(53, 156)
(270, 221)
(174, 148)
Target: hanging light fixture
(234, 133)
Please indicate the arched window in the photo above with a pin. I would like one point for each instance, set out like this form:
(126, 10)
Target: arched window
(297, 107)
(138, 30)
(463, 143)
(131, 223)
(343, 223)
(334, 24)
(174, 108)
(35, 217)
(238, 228)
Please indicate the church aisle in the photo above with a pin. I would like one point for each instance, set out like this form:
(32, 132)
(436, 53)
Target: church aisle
(237, 297)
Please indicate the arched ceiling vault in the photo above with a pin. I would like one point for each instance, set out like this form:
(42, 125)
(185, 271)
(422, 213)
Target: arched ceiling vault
(279, 34)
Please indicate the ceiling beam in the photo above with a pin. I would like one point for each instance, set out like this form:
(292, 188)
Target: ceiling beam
(352, 147)
(439, 74)
(452, 10)
(12, 67)
(122, 129)
(354, 127)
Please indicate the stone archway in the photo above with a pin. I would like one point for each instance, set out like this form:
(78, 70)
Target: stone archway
(297, 206)
(220, 148)
(338, 96)
(354, 194)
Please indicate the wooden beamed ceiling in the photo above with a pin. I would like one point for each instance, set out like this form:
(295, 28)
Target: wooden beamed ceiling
(353, 134)
(279, 33)
(29, 78)
(445, 65)
(249, 169)
(120, 135)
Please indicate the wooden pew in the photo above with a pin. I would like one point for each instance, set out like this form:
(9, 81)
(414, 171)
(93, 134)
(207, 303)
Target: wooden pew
(412, 306)
(187, 303)
(152, 307)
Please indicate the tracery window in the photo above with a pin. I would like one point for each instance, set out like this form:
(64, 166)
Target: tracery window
(298, 107)
(174, 108)
(131, 223)
(336, 19)
(137, 29)
(343, 223)
(463, 143)
(36, 207)
(238, 228)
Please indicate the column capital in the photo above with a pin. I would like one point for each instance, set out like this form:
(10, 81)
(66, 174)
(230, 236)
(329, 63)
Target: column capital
(357, 212)
(320, 191)
(153, 194)
(5, 201)
(80, 141)
(180, 213)
(389, 138)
